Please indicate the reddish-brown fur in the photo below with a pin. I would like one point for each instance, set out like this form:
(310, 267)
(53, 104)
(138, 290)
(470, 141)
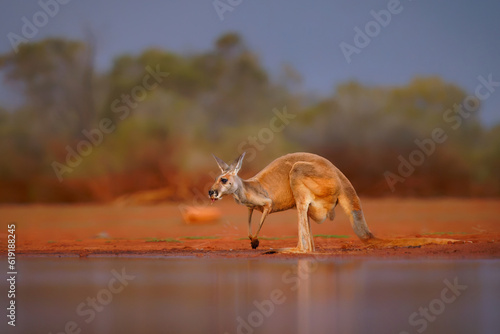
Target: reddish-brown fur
(306, 181)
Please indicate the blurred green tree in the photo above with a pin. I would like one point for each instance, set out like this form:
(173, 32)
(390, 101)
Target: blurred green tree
(57, 79)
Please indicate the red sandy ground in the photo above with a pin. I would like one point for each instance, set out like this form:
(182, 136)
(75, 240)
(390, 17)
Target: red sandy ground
(84, 230)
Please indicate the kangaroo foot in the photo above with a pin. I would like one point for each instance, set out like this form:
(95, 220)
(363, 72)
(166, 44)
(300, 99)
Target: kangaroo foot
(254, 242)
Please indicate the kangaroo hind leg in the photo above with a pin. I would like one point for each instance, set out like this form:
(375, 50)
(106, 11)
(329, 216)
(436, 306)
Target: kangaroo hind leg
(301, 183)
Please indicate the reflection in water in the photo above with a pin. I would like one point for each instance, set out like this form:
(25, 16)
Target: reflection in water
(255, 296)
(305, 267)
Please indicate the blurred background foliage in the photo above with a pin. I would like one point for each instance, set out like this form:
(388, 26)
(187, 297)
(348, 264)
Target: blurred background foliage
(221, 101)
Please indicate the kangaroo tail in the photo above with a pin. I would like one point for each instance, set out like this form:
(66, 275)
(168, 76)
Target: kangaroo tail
(349, 201)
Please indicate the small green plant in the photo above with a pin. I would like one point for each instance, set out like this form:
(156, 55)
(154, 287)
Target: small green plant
(201, 237)
(443, 233)
(162, 240)
(336, 236)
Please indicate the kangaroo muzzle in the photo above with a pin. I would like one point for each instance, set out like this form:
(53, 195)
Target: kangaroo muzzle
(213, 195)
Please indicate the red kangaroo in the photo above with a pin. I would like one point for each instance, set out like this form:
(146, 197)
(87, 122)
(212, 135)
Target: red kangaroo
(306, 181)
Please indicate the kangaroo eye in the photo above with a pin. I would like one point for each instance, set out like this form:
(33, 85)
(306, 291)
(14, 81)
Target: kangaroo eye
(224, 181)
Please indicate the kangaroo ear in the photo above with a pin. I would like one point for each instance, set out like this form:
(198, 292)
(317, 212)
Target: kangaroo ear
(236, 165)
(222, 165)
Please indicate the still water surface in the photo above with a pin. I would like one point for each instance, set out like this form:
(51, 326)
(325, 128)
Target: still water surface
(198, 295)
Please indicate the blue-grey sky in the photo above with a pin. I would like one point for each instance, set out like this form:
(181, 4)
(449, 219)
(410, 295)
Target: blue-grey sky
(458, 40)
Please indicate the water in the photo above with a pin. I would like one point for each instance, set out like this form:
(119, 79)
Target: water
(199, 295)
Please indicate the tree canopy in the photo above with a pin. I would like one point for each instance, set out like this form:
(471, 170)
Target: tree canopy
(153, 119)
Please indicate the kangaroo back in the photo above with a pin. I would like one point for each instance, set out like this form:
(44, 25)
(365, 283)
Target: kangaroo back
(275, 178)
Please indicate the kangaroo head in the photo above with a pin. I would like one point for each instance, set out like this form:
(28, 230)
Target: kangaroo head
(228, 182)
